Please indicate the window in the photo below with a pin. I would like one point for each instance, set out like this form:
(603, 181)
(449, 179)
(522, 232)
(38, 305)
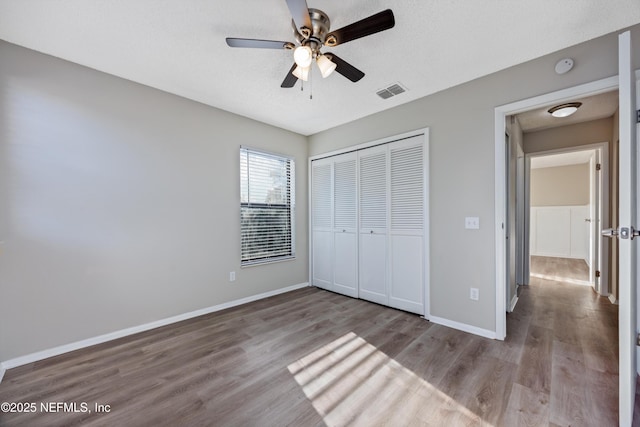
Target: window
(267, 206)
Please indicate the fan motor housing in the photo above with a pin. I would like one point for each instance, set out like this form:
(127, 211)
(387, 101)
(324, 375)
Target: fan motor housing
(320, 24)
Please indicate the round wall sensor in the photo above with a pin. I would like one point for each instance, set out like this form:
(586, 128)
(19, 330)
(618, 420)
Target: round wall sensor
(564, 65)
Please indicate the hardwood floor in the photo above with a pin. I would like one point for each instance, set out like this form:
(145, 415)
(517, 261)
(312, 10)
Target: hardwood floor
(568, 270)
(311, 357)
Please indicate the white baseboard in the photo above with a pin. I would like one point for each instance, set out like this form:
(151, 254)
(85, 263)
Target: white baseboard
(44, 354)
(463, 327)
(514, 301)
(613, 299)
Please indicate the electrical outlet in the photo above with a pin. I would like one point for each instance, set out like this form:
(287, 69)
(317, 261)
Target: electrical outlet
(474, 294)
(232, 276)
(472, 223)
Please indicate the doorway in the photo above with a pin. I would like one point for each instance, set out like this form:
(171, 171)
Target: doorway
(567, 203)
(501, 172)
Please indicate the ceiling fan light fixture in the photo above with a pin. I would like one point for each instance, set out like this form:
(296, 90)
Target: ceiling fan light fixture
(564, 110)
(303, 56)
(325, 65)
(302, 73)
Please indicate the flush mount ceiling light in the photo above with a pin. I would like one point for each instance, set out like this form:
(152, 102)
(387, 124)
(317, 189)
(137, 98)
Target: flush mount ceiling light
(564, 110)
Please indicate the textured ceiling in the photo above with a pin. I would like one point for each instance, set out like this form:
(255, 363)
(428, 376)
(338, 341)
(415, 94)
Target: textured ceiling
(179, 46)
(592, 108)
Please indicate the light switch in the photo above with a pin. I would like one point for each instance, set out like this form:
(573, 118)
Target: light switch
(472, 223)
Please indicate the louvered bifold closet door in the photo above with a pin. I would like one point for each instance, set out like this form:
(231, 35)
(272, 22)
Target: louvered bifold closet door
(345, 203)
(406, 234)
(373, 192)
(322, 223)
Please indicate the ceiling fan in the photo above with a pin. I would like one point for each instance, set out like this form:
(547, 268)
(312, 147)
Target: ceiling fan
(311, 29)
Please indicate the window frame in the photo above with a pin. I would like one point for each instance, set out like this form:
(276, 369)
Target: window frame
(290, 207)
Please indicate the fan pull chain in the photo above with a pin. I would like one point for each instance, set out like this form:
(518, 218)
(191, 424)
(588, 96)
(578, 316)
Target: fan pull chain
(310, 83)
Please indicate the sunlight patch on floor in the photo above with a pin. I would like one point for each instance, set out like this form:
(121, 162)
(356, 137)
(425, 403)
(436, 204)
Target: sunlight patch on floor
(561, 279)
(351, 382)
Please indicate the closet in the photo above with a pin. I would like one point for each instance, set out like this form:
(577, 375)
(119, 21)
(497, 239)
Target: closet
(369, 223)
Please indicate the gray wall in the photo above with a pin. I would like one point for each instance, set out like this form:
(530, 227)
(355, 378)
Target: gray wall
(592, 132)
(119, 204)
(560, 186)
(462, 164)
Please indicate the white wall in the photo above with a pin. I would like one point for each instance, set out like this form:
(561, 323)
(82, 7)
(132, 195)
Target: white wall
(462, 164)
(560, 231)
(119, 204)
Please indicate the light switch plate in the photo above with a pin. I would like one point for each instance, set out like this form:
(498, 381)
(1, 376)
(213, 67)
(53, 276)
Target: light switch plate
(472, 223)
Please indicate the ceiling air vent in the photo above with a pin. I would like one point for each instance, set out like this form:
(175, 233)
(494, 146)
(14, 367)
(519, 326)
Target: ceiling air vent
(388, 92)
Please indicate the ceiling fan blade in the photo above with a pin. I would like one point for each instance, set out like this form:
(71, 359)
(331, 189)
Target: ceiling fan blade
(299, 13)
(261, 44)
(346, 69)
(374, 24)
(290, 80)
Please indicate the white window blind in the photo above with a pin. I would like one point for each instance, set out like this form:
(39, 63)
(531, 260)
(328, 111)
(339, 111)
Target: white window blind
(267, 202)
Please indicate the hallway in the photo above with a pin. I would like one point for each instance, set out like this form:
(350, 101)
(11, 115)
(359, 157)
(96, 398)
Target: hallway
(571, 345)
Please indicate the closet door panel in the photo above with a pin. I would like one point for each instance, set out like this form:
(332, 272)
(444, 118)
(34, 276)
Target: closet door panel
(345, 205)
(345, 264)
(407, 202)
(322, 224)
(407, 279)
(373, 195)
(373, 268)
(322, 257)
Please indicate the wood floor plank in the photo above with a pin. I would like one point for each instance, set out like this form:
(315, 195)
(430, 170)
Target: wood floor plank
(315, 358)
(534, 371)
(568, 382)
(526, 407)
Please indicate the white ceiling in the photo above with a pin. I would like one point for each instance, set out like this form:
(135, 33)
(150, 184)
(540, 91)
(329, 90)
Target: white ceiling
(179, 46)
(562, 159)
(592, 108)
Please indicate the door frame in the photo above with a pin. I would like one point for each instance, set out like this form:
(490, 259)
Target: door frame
(601, 257)
(500, 114)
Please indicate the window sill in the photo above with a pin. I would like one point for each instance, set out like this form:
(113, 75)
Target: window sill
(270, 261)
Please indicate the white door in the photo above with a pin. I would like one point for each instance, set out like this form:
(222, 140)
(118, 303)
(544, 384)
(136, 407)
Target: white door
(373, 166)
(322, 224)
(407, 226)
(345, 261)
(627, 220)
